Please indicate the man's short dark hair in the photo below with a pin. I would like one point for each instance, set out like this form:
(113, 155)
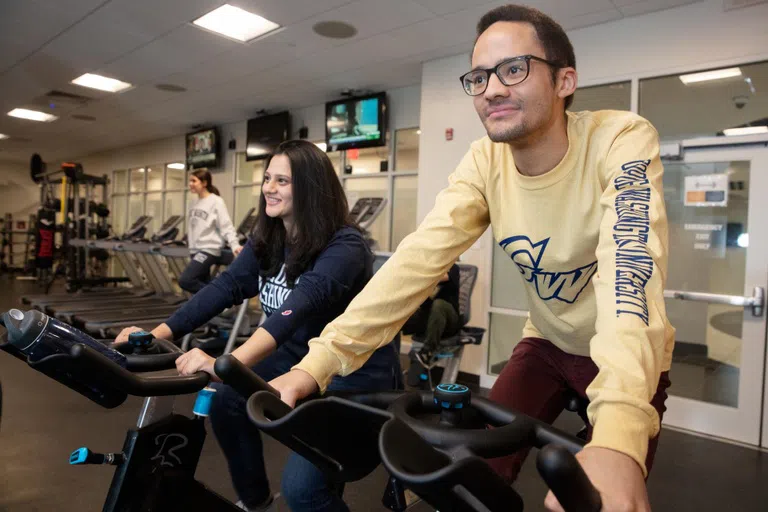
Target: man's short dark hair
(557, 46)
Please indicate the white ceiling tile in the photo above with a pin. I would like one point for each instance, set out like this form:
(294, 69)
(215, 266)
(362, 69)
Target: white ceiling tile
(91, 44)
(645, 6)
(594, 18)
(561, 11)
(441, 7)
(177, 51)
(425, 35)
(26, 25)
(140, 17)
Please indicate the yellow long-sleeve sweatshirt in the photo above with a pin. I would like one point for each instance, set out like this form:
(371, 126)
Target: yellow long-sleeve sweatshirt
(590, 240)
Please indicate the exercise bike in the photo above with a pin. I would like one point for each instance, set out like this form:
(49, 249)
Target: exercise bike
(432, 443)
(155, 471)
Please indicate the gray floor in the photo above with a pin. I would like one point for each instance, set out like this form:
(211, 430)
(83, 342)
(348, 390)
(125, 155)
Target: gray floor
(43, 422)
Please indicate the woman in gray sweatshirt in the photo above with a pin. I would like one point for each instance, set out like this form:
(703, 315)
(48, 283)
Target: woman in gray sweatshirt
(209, 228)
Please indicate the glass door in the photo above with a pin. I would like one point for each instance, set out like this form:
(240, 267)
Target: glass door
(715, 292)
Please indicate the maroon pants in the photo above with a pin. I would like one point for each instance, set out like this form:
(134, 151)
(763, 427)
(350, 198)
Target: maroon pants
(536, 382)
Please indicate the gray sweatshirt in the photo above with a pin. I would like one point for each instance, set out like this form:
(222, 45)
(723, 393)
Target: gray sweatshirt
(209, 226)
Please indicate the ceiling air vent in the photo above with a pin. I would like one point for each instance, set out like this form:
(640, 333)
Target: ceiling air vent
(66, 98)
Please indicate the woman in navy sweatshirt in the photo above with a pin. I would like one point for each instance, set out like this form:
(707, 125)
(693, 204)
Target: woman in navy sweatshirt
(306, 260)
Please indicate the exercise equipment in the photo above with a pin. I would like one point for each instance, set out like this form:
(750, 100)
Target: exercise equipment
(156, 468)
(444, 366)
(433, 443)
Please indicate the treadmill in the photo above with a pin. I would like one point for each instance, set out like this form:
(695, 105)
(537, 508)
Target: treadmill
(176, 256)
(365, 212)
(145, 253)
(137, 230)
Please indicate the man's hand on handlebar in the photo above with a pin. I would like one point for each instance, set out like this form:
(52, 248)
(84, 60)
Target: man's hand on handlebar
(616, 476)
(196, 361)
(294, 385)
(123, 336)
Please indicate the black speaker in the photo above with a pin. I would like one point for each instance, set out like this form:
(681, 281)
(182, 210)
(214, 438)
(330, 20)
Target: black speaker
(232, 144)
(303, 132)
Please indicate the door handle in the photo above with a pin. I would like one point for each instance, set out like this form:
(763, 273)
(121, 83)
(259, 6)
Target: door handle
(756, 302)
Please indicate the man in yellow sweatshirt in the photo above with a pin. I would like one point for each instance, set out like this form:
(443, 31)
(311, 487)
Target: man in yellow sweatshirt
(576, 201)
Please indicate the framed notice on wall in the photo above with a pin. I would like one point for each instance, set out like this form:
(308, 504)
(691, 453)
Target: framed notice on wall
(706, 190)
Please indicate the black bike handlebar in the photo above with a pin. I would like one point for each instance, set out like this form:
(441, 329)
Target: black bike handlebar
(567, 479)
(240, 377)
(408, 445)
(163, 357)
(115, 376)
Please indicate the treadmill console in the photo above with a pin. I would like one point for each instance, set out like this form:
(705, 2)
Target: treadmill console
(367, 209)
(247, 225)
(138, 228)
(169, 229)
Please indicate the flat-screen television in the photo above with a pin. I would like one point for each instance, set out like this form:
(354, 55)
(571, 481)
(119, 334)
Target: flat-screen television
(203, 149)
(265, 133)
(356, 122)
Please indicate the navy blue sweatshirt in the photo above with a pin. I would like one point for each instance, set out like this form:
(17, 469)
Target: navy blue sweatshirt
(294, 316)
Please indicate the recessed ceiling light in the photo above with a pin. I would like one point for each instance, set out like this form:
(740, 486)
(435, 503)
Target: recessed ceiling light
(32, 115)
(745, 130)
(170, 88)
(716, 74)
(101, 83)
(177, 165)
(3, 136)
(334, 29)
(236, 23)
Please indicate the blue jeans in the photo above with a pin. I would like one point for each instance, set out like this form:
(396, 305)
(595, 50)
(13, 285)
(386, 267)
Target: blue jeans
(304, 487)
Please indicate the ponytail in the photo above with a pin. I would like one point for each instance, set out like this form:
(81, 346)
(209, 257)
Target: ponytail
(205, 175)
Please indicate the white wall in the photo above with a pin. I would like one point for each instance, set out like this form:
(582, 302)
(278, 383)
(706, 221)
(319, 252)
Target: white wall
(20, 195)
(697, 36)
(404, 113)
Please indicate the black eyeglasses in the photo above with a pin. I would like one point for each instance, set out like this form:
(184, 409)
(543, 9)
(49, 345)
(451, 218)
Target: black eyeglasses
(510, 72)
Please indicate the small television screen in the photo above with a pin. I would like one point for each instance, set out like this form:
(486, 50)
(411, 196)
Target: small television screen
(265, 133)
(203, 149)
(356, 122)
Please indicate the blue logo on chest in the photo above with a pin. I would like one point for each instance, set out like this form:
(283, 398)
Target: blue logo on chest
(563, 286)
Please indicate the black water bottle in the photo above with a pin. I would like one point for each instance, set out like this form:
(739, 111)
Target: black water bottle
(37, 336)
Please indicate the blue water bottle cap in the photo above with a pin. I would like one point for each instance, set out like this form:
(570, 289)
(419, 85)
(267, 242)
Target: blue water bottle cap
(140, 338)
(452, 396)
(203, 402)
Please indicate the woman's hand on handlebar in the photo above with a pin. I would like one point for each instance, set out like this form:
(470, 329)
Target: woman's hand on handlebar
(196, 361)
(123, 336)
(616, 476)
(294, 385)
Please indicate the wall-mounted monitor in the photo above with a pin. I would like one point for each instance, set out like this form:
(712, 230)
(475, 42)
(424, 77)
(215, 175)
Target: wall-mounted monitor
(203, 149)
(356, 122)
(265, 133)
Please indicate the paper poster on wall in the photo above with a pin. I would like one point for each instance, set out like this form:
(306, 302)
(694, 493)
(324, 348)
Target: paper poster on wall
(706, 190)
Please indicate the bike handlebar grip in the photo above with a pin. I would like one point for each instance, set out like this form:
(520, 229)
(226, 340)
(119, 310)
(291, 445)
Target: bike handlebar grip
(567, 480)
(240, 377)
(119, 378)
(164, 360)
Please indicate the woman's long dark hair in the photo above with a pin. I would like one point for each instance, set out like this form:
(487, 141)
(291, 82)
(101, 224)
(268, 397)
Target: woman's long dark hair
(320, 209)
(205, 176)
